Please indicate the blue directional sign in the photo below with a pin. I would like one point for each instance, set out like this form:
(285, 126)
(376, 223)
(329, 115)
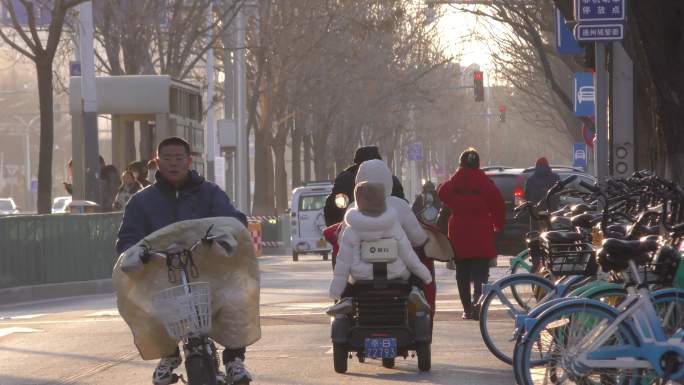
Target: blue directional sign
(599, 32)
(565, 41)
(75, 68)
(415, 151)
(585, 95)
(599, 10)
(579, 155)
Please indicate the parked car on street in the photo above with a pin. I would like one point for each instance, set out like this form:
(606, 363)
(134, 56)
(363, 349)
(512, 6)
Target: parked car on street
(8, 207)
(61, 204)
(511, 183)
(307, 221)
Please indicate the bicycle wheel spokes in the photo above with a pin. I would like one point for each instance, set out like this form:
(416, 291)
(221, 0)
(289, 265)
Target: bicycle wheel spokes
(553, 344)
(499, 309)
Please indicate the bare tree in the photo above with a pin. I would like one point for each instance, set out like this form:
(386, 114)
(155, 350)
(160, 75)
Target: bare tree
(28, 40)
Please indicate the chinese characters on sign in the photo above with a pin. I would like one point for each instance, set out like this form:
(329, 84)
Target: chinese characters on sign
(597, 32)
(599, 20)
(599, 10)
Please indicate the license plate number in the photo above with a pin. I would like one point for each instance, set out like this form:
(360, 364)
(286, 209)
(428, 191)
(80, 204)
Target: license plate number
(320, 243)
(380, 347)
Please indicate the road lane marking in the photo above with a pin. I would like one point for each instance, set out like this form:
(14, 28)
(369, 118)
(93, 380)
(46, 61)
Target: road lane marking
(104, 313)
(8, 331)
(27, 316)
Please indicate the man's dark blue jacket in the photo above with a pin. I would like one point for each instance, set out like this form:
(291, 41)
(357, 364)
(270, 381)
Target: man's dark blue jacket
(160, 204)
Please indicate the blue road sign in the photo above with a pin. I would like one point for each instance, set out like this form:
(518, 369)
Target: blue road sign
(579, 155)
(599, 10)
(585, 95)
(415, 151)
(600, 32)
(75, 68)
(565, 41)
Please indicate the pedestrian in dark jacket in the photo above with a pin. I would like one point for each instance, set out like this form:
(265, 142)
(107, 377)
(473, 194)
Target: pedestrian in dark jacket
(178, 194)
(540, 182)
(346, 181)
(477, 211)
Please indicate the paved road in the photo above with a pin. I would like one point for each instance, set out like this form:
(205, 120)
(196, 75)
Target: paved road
(83, 341)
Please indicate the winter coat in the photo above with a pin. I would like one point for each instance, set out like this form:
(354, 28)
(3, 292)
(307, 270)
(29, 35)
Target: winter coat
(344, 183)
(539, 183)
(360, 228)
(124, 195)
(477, 210)
(160, 204)
(377, 171)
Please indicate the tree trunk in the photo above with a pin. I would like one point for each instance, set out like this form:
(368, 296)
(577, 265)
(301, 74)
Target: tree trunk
(45, 99)
(307, 156)
(264, 203)
(282, 203)
(297, 131)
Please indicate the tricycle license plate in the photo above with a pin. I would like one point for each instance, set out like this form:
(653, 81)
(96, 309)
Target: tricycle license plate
(321, 243)
(381, 347)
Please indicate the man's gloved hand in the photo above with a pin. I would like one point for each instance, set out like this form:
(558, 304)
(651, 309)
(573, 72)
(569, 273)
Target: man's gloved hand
(132, 259)
(224, 246)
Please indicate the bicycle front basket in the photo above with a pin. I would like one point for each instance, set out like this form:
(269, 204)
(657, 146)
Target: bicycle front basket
(184, 310)
(563, 259)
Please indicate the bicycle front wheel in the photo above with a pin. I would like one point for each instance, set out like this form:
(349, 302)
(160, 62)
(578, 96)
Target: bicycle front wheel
(548, 355)
(511, 296)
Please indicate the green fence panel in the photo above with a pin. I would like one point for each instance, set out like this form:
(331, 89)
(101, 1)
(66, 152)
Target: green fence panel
(41, 249)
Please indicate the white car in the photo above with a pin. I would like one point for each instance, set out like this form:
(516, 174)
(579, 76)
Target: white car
(8, 207)
(60, 204)
(307, 221)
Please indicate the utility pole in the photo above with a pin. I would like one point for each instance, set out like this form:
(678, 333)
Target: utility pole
(89, 103)
(211, 124)
(242, 148)
(601, 138)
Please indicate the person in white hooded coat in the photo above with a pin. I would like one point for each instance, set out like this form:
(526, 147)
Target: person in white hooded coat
(373, 220)
(376, 171)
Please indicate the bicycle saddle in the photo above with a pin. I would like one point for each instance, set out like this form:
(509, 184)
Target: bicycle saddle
(616, 231)
(647, 230)
(584, 220)
(582, 208)
(560, 211)
(561, 221)
(561, 236)
(615, 254)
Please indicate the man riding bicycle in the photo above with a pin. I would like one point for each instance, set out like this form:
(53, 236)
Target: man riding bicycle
(179, 194)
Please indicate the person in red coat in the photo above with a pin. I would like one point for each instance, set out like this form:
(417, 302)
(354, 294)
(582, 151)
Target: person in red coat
(477, 211)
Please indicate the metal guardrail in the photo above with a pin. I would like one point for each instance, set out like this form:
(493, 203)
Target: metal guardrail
(58, 248)
(43, 249)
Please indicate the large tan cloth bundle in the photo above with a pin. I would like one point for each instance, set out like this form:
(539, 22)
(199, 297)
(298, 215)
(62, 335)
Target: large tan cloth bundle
(233, 278)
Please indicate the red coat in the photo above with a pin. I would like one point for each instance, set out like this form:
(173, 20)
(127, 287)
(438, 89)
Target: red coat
(477, 210)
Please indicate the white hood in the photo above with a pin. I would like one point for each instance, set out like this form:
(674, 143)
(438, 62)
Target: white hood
(376, 171)
(364, 223)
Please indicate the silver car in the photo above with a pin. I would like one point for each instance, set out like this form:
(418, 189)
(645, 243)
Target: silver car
(8, 207)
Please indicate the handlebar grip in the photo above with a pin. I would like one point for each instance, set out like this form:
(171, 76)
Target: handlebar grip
(589, 186)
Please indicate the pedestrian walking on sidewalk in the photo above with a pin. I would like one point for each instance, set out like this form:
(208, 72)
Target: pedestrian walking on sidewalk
(477, 211)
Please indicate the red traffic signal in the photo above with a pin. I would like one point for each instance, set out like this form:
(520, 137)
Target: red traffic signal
(478, 84)
(502, 113)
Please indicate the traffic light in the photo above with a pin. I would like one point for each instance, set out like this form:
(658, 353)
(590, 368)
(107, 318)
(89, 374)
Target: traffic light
(502, 113)
(478, 83)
